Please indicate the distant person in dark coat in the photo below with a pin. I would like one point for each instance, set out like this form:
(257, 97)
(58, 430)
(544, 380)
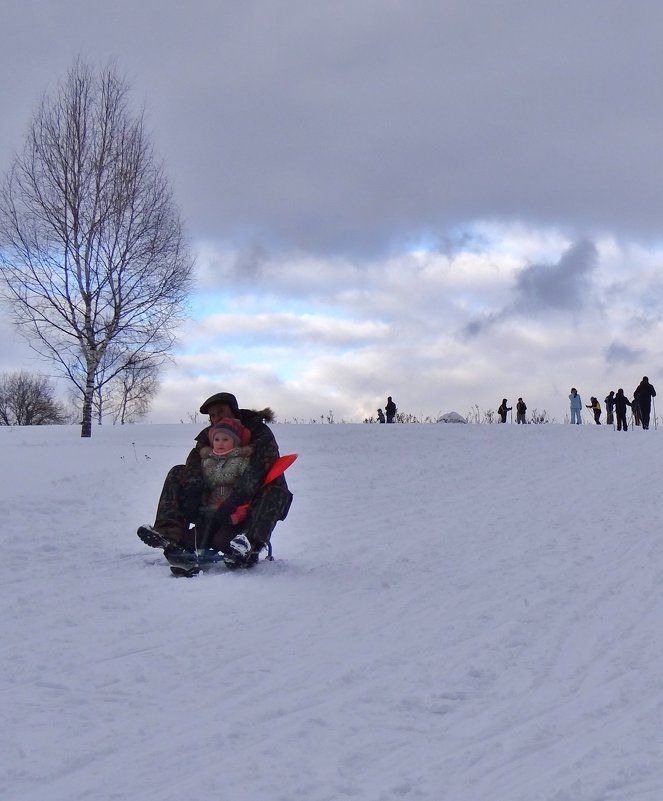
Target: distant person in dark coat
(621, 402)
(504, 408)
(390, 409)
(380, 416)
(643, 395)
(609, 406)
(635, 409)
(521, 408)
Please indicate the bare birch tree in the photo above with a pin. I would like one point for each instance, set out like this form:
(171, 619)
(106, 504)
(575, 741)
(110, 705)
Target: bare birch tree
(92, 251)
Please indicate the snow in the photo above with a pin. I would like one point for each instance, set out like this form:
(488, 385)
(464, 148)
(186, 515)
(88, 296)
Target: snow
(455, 613)
(452, 417)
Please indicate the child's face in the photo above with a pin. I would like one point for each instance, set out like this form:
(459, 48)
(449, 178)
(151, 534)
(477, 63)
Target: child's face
(222, 442)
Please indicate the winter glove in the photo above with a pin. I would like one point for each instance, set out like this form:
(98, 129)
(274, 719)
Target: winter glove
(238, 508)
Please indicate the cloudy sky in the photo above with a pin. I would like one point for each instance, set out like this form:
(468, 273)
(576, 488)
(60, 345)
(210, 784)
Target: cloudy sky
(447, 202)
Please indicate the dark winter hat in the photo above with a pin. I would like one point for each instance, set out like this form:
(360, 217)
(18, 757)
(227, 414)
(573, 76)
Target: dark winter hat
(229, 426)
(221, 397)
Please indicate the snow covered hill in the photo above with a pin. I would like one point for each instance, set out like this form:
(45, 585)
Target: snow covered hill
(455, 613)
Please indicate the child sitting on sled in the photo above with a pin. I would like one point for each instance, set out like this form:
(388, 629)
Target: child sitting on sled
(222, 465)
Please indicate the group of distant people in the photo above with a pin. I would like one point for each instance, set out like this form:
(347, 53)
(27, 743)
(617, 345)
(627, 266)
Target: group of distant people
(521, 409)
(389, 411)
(615, 406)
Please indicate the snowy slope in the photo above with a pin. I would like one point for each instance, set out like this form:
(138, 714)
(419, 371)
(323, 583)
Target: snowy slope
(456, 613)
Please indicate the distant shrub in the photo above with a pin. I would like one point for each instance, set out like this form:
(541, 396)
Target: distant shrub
(539, 417)
(477, 416)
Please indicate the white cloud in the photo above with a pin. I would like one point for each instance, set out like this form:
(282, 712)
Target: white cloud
(394, 327)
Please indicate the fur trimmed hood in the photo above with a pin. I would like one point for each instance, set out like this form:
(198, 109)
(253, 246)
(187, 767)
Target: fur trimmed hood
(265, 415)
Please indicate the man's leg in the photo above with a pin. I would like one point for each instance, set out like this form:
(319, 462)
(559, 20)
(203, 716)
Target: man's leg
(222, 538)
(268, 507)
(170, 521)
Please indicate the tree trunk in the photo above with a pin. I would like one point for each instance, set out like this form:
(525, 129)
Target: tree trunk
(86, 424)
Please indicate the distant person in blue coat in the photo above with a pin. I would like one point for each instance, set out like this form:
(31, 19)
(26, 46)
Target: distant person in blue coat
(576, 406)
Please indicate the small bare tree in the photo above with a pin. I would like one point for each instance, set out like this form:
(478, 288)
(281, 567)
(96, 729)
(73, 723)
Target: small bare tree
(133, 391)
(93, 258)
(125, 396)
(128, 395)
(27, 400)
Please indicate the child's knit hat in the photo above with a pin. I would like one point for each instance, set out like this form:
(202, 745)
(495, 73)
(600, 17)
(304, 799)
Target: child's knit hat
(234, 428)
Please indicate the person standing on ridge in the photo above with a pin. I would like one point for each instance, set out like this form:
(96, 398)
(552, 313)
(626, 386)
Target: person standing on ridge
(609, 406)
(595, 406)
(576, 406)
(643, 395)
(521, 408)
(390, 410)
(635, 409)
(503, 409)
(621, 402)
